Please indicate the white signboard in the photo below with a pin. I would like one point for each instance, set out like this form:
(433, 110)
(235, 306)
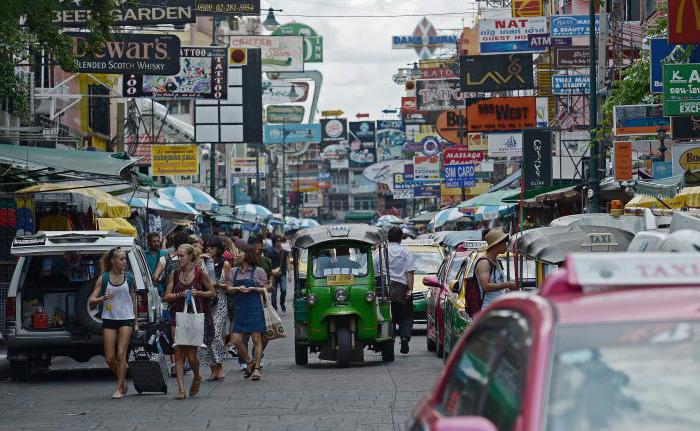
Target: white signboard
(685, 157)
(279, 53)
(633, 269)
(499, 36)
(507, 144)
(426, 168)
(245, 167)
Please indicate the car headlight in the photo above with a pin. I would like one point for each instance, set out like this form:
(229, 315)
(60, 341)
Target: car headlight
(341, 295)
(369, 297)
(311, 299)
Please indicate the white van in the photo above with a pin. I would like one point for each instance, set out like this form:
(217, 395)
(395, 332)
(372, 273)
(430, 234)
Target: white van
(47, 312)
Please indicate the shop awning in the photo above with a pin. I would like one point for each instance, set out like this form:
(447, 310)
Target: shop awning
(543, 195)
(162, 203)
(487, 199)
(118, 225)
(106, 204)
(423, 218)
(359, 216)
(666, 187)
(55, 161)
(691, 196)
(510, 180)
(646, 201)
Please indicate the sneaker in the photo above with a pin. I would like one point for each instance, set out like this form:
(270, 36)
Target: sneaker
(232, 351)
(404, 346)
(242, 367)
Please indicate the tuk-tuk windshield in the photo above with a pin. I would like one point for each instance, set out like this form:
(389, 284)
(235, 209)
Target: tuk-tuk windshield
(340, 260)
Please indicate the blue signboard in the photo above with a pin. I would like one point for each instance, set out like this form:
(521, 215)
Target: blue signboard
(662, 170)
(459, 176)
(426, 190)
(571, 84)
(402, 181)
(571, 25)
(662, 52)
(275, 134)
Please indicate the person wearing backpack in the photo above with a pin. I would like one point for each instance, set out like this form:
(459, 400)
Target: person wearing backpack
(115, 293)
(488, 274)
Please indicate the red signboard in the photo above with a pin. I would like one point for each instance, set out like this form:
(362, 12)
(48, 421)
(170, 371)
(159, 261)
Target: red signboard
(461, 156)
(684, 21)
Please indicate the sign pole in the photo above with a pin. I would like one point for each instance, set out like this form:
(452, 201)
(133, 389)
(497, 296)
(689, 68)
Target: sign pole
(284, 170)
(212, 150)
(593, 179)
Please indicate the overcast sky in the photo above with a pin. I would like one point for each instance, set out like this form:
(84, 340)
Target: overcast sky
(358, 60)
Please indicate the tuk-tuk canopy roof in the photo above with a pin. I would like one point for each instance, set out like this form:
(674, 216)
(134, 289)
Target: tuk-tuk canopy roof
(306, 238)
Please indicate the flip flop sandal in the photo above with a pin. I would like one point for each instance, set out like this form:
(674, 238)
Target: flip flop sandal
(117, 396)
(248, 371)
(256, 378)
(194, 389)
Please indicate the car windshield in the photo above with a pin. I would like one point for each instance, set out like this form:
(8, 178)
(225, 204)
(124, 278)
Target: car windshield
(528, 269)
(340, 260)
(427, 262)
(454, 268)
(640, 376)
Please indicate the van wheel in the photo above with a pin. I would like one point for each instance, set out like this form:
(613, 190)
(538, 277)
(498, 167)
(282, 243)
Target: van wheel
(20, 370)
(344, 347)
(388, 351)
(89, 318)
(301, 354)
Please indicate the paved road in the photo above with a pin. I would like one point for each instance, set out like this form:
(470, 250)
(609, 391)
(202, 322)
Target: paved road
(368, 396)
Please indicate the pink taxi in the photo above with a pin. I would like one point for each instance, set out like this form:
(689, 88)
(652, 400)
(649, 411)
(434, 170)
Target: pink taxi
(612, 342)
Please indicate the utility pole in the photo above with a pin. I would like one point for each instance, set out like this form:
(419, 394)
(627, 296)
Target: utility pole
(593, 178)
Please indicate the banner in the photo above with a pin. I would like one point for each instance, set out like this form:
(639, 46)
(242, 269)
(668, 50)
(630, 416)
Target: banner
(246, 167)
(623, 161)
(460, 176)
(683, 21)
(275, 134)
(426, 168)
(169, 160)
(203, 73)
(127, 53)
(572, 58)
(313, 43)
(502, 114)
(661, 52)
(685, 127)
(502, 36)
(438, 94)
(486, 73)
(537, 158)
(686, 157)
(681, 89)
(279, 53)
(571, 25)
(564, 85)
(362, 144)
(390, 138)
(526, 8)
(639, 120)
(74, 14)
(542, 104)
(232, 7)
(504, 144)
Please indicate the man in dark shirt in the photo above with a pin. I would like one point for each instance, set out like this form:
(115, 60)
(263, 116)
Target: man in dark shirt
(279, 259)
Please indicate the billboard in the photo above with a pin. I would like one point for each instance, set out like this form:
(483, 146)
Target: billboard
(426, 168)
(438, 94)
(424, 40)
(390, 138)
(685, 127)
(313, 42)
(537, 158)
(169, 160)
(248, 167)
(279, 53)
(361, 138)
(452, 127)
(334, 130)
(203, 74)
(526, 8)
(661, 52)
(623, 161)
(486, 73)
(502, 36)
(461, 156)
(564, 85)
(571, 25)
(75, 14)
(685, 157)
(572, 58)
(232, 7)
(508, 144)
(502, 114)
(459, 176)
(639, 120)
(275, 134)
(683, 21)
(681, 89)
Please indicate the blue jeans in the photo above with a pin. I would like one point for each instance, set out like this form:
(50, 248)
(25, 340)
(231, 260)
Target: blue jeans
(281, 284)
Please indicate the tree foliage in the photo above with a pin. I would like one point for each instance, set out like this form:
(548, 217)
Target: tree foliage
(26, 29)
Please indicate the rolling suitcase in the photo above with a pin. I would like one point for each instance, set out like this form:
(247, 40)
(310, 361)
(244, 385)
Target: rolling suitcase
(149, 371)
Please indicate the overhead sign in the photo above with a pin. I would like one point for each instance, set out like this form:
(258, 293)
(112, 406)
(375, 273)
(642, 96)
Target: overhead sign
(639, 120)
(572, 58)
(684, 21)
(502, 114)
(486, 73)
(452, 126)
(334, 130)
(75, 14)
(248, 167)
(686, 157)
(502, 36)
(661, 52)
(390, 138)
(230, 7)
(461, 156)
(571, 25)
(275, 134)
(526, 8)
(169, 160)
(426, 168)
(438, 94)
(504, 144)
(279, 53)
(238, 117)
(685, 127)
(424, 40)
(460, 176)
(313, 43)
(203, 75)
(623, 161)
(127, 53)
(279, 114)
(362, 144)
(564, 85)
(681, 89)
(537, 158)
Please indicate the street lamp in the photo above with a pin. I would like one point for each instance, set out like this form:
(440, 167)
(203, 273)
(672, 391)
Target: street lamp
(270, 22)
(415, 72)
(661, 134)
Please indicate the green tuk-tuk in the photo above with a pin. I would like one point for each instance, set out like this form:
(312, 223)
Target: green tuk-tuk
(341, 294)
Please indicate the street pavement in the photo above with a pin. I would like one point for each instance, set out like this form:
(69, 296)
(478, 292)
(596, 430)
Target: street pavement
(367, 396)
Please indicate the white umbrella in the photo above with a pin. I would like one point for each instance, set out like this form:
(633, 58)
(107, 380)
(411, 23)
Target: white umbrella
(194, 197)
(253, 212)
(446, 215)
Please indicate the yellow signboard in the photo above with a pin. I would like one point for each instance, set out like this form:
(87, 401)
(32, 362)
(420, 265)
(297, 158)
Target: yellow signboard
(340, 280)
(174, 160)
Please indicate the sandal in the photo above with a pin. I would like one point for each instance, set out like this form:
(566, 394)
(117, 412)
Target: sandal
(117, 396)
(249, 371)
(256, 377)
(125, 388)
(180, 395)
(194, 389)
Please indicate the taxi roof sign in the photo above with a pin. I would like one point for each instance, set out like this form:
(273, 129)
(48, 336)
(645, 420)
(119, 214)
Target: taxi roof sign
(633, 269)
(429, 242)
(474, 245)
(339, 230)
(599, 239)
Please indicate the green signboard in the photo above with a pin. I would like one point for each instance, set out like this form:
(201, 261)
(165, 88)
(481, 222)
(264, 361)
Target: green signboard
(681, 89)
(313, 43)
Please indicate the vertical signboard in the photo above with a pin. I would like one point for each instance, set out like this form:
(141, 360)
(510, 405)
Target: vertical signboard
(426, 168)
(681, 89)
(390, 138)
(362, 144)
(623, 161)
(537, 158)
(334, 141)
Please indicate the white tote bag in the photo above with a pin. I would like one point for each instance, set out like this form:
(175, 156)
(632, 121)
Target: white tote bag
(273, 323)
(189, 327)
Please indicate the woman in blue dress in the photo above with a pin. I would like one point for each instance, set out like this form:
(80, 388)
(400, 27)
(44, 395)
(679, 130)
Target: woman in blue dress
(247, 286)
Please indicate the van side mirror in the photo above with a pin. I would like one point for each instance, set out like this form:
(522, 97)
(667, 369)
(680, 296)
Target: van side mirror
(465, 423)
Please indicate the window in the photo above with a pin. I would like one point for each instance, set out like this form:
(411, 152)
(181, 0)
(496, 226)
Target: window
(338, 202)
(340, 178)
(98, 109)
(178, 106)
(454, 268)
(363, 203)
(340, 260)
(427, 262)
(633, 10)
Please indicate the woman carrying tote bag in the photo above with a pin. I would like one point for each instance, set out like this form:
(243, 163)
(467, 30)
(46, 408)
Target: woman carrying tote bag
(191, 284)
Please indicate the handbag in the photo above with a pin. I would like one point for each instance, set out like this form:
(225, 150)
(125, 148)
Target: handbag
(189, 327)
(273, 324)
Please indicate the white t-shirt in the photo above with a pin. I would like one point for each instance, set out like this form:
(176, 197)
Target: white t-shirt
(400, 262)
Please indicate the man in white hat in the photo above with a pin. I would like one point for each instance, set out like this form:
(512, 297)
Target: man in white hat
(489, 271)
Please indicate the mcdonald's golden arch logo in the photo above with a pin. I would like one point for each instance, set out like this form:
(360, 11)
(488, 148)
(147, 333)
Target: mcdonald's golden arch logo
(678, 33)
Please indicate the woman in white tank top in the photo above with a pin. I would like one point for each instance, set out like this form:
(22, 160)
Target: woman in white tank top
(115, 292)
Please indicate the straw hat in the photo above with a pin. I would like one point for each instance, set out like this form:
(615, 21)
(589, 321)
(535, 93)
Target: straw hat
(495, 237)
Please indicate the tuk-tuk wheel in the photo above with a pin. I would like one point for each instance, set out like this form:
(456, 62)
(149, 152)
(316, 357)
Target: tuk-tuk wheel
(301, 354)
(344, 347)
(388, 351)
